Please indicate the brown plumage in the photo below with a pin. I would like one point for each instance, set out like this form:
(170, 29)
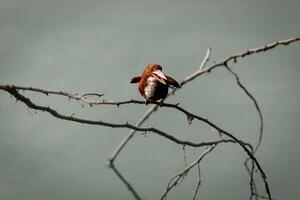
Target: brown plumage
(153, 84)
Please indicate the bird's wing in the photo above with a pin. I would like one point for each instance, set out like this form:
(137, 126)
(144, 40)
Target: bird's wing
(135, 79)
(172, 82)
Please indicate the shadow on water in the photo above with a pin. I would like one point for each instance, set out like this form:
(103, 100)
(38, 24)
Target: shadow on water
(128, 185)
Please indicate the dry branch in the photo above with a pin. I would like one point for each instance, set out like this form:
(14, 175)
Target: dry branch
(231, 138)
(19, 97)
(199, 72)
(175, 180)
(14, 92)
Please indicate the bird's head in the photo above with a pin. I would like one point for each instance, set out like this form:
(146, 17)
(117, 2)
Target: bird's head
(156, 71)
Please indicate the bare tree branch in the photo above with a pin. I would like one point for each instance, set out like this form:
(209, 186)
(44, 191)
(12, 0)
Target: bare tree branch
(128, 185)
(174, 181)
(199, 72)
(146, 115)
(237, 56)
(19, 97)
(255, 103)
(253, 188)
(205, 59)
(231, 138)
(14, 92)
(199, 182)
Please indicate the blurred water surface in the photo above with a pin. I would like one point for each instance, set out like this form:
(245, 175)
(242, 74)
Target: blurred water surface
(96, 46)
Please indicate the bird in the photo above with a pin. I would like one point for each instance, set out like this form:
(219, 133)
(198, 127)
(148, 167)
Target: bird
(154, 84)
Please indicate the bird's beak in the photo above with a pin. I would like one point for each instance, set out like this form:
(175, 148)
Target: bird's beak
(160, 76)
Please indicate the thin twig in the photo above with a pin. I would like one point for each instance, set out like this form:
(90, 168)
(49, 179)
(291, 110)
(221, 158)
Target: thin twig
(132, 132)
(199, 182)
(255, 103)
(128, 185)
(251, 172)
(93, 94)
(175, 180)
(237, 56)
(205, 59)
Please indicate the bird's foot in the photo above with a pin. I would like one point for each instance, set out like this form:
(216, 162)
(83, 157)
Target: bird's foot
(161, 102)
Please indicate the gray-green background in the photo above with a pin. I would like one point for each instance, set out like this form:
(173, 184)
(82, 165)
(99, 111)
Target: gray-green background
(96, 46)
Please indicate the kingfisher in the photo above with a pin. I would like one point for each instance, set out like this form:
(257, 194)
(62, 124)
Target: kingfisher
(154, 84)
